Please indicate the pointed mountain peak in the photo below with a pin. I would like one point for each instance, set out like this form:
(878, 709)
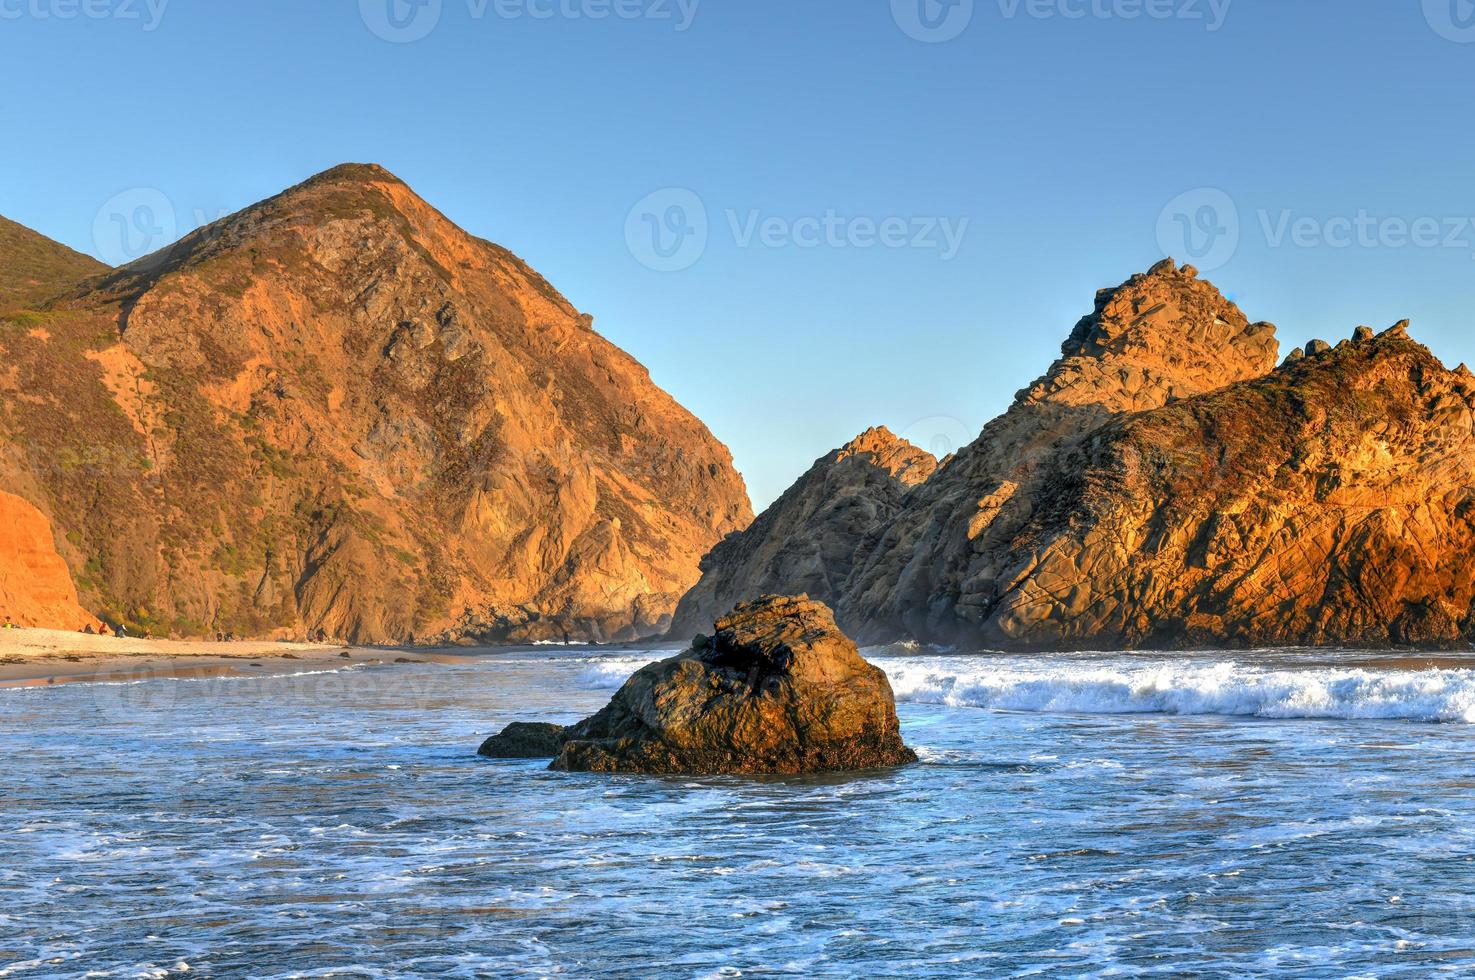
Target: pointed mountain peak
(353, 213)
(353, 173)
(1160, 335)
(887, 451)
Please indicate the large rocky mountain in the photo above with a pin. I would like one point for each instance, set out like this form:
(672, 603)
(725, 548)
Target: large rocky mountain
(1164, 485)
(336, 409)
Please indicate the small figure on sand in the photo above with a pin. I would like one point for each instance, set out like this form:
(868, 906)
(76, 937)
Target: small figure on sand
(8, 624)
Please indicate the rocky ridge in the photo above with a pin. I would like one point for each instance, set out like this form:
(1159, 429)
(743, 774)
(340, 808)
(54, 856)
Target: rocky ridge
(1330, 502)
(1164, 485)
(337, 410)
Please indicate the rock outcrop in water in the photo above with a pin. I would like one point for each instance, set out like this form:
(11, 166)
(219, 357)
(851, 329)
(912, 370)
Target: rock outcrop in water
(777, 689)
(1164, 486)
(525, 740)
(807, 541)
(338, 410)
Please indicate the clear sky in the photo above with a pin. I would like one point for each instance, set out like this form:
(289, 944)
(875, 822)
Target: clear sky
(864, 212)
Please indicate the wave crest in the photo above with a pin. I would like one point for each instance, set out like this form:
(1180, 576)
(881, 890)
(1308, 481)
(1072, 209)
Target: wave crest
(1226, 688)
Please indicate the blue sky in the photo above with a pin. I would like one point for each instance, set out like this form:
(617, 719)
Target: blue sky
(907, 205)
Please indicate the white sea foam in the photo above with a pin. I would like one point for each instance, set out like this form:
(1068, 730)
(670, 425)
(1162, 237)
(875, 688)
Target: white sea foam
(1188, 687)
(1185, 688)
(610, 673)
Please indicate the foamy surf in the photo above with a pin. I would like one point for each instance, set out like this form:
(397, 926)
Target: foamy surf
(1225, 688)
(1111, 686)
(610, 673)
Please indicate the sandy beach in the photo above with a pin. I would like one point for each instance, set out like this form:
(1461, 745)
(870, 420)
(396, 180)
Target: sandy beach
(35, 657)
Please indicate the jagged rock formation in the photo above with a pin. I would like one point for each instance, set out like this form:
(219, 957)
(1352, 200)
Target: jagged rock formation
(1160, 336)
(1161, 486)
(1330, 502)
(35, 586)
(808, 539)
(777, 689)
(336, 409)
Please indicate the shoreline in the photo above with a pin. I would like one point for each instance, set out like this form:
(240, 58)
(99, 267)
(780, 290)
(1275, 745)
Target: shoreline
(41, 658)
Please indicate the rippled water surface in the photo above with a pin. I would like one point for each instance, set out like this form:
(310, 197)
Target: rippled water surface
(1276, 815)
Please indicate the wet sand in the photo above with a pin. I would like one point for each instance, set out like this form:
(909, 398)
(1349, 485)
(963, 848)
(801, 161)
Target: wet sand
(32, 657)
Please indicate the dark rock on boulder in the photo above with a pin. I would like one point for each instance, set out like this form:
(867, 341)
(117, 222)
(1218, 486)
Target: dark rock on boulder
(778, 689)
(524, 740)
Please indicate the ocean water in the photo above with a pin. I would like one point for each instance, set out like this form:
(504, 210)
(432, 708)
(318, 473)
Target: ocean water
(1276, 814)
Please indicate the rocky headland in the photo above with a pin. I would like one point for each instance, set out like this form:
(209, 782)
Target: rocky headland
(777, 689)
(1165, 485)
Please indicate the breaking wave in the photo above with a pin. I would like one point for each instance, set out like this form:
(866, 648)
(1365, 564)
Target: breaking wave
(1226, 688)
(1157, 687)
(610, 673)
